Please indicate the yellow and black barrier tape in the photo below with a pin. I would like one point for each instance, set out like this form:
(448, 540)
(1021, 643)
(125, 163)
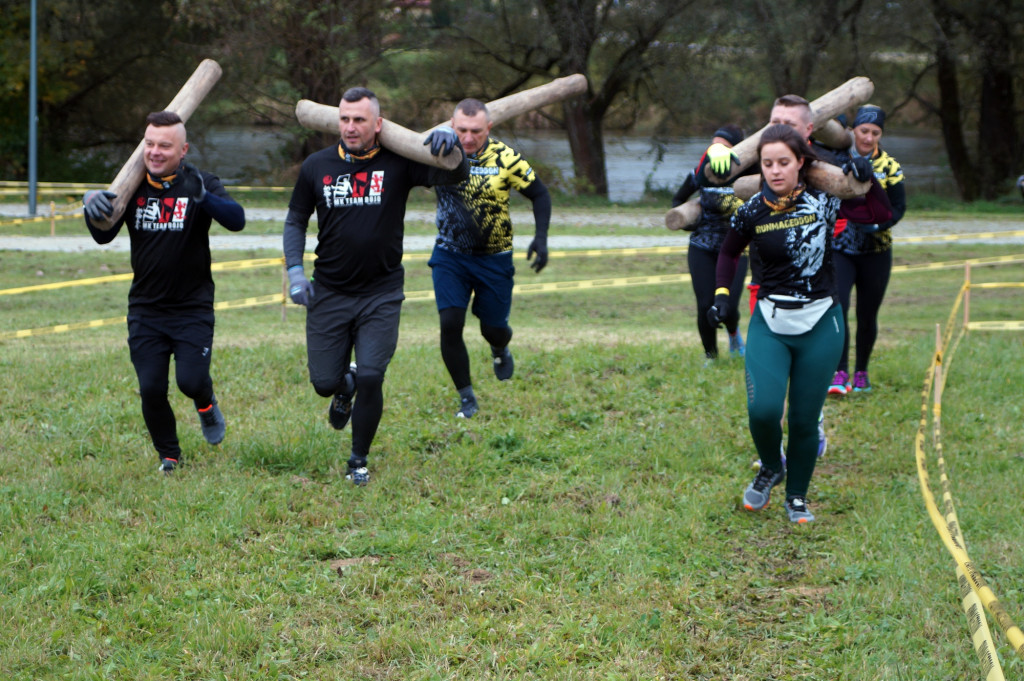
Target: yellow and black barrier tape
(588, 253)
(57, 217)
(957, 237)
(947, 525)
(280, 299)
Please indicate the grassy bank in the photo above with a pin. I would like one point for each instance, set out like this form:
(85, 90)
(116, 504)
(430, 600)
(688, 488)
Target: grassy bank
(585, 525)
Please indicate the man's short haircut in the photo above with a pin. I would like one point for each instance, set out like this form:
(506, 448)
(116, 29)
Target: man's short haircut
(163, 119)
(471, 107)
(792, 100)
(355, 94)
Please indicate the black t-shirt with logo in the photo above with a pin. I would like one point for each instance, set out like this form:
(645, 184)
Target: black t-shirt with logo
(170, 245)
(360, 208)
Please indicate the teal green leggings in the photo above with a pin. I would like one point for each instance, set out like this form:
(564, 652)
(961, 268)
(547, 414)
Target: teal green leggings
(806, 362)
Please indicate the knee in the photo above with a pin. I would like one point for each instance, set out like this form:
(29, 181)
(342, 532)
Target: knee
(152, 389)
(765, 415)
(368, 380)
(193, 385)
(453, 320)
(324, 388)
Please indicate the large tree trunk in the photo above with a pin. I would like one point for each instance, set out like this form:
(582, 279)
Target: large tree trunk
(586, 142)
(997, 130)
(949, 110)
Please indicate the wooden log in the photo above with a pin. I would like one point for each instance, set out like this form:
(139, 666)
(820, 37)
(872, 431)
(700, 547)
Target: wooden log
(399, 139)
(850, 94)
(823, 176)
(324, 118)
(184, 104)
(684, 216)
(833, 135)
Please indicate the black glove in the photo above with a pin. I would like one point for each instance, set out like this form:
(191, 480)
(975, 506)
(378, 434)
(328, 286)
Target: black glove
(538, 246)
(192, 182)
(97, 205)
(861, 168)
(442, 140)
(719, 311)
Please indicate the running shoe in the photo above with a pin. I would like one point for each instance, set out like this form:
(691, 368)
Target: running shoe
(357, 472)
(796, 509)
(340, 410)
(840, 383)
(758, 493)
(212, 423)
(822, 438)
(467, 408)
(861, 384)
(737, 348)
(167, 466)
(503, 364)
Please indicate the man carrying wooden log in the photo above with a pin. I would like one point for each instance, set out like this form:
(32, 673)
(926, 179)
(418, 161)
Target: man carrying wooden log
(473, 253)
(359, 191)
(170, 303)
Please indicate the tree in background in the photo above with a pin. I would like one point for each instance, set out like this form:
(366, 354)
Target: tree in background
(502, 46)
(977, 64)
(95, 59)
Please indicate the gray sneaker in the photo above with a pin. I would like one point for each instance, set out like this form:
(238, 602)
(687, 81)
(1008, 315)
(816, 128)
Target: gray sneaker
(759, 491)
(212, 423)
(796, 508)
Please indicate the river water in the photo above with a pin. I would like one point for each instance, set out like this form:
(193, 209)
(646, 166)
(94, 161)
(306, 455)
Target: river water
(248, 155)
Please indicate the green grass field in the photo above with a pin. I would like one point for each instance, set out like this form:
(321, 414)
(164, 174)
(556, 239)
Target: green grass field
(586, 525)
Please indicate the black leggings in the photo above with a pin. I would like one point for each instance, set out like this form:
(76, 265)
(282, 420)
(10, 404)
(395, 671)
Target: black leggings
(151, 343)
(453, 347)
(702, 275)
(870, 274)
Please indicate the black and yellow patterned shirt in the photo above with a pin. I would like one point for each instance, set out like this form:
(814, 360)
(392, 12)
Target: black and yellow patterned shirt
(473, 216)
(857, 239)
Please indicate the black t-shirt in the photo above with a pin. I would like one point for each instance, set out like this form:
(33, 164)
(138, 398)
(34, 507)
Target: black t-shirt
(360, 208)
(794, 246)
(170, 246)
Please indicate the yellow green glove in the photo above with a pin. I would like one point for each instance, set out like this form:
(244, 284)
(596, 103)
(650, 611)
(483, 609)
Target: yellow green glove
(720, 158)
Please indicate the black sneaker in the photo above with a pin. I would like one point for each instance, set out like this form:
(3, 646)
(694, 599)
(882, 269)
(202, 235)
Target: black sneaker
(503, 364)
(167, 466)
(357, 472)
(340, 410)
(212, 423)
(467, 408)
(759, 491)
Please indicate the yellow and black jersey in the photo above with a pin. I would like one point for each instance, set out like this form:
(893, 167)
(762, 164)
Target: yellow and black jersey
(473, 216)
(863, 239)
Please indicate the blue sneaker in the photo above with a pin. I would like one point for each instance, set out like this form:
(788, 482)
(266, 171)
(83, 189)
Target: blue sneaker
(861, 384)
(504, 366)
(737, 348)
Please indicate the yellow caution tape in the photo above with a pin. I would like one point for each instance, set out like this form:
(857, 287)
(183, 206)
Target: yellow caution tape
(996, 326)
(280, 298)
(973, 588)
(956, 237)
